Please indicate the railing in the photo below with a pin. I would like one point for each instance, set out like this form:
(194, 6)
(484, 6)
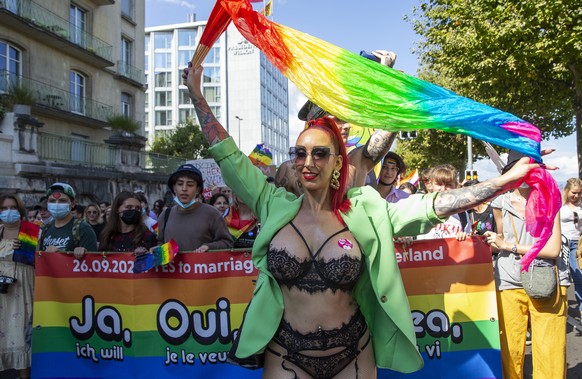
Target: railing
(131, 72)
(63, 149)
(54, 24)
(158, 163)
(71, 150)
(57, 98)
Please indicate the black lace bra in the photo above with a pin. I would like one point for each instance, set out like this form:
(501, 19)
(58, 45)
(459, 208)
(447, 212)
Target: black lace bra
(314, 275)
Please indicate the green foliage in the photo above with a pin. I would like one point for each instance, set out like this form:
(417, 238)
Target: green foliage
(122, 122)
(524, 57)
(19, 94)
(186, 141)
(433, 147)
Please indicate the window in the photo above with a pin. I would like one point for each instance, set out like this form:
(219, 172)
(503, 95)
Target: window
(127, 8)
(213, 56)
(147, 44)
(211, 94)
(185, 114)
(211, 75)
(162, 60)
(186, 38)
(78, 25)
(163, 117)
(126, 51)
(162, 40)
(163, 98)
(126, 104)
(163, 79)
(216, 111)
(77, 89)
(184, 98)
(184, 56)
(10, 65)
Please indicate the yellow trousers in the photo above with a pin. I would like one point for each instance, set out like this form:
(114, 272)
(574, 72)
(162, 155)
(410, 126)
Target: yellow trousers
(548, 334)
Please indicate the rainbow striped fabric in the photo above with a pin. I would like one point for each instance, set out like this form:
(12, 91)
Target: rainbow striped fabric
(261, 155)
(364, 93)
(451, 291)
(28, 237)
(160, 255)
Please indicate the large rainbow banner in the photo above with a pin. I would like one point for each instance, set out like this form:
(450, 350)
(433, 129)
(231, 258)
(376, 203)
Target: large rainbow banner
(451, 292)
(97, 319)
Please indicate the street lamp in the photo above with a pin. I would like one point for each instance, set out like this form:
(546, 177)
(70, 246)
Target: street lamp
(239, 120)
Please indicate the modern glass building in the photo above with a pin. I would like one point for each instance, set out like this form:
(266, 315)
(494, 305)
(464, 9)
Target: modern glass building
(248, 95)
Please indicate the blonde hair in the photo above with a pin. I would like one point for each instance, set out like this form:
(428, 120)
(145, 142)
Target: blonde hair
(570, 183)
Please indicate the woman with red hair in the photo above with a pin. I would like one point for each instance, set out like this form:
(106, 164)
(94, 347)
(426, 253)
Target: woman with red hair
(329, 301)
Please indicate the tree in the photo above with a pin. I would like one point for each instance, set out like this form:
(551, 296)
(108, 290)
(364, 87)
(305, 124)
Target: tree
(524, 57)
(186, 141)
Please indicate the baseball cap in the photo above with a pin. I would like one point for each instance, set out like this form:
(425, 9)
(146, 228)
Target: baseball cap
(311, 111)
(187, 168)
(63, 188)
(512, 158)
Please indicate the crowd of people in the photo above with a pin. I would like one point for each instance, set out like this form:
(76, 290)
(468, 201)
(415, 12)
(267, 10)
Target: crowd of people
(323, 242)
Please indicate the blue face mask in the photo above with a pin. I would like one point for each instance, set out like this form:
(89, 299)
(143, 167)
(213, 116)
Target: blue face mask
(58, 210)
(9, 216)
(188, 204)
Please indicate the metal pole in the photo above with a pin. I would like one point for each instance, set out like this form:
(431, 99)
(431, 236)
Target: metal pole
(239, 120)
(470, 153)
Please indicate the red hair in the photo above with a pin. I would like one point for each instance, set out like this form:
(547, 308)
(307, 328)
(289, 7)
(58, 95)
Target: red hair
(338, 200)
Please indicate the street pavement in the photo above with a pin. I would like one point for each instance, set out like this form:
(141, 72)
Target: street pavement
(573, 346)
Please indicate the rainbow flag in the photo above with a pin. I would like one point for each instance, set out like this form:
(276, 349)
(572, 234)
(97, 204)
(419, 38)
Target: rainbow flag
(99, 320)
(28, 237)
(364, 93)
(160, 255)
(261, 155)
(453, 307)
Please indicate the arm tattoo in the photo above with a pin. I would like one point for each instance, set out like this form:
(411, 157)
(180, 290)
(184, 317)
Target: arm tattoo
(458, 200)
(378, 145)
(211, 128)
(281, 179)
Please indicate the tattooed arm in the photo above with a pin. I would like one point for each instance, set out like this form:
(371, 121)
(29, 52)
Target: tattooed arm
(458, 200)
(287, 178)
(211, 128)
(364, 158)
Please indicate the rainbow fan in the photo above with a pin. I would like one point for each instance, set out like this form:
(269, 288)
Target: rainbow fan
(160, 255)
(364, 93)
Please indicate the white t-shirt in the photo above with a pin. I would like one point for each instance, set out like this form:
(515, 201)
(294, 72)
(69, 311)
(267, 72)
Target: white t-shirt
(447, 229)
(571, 230)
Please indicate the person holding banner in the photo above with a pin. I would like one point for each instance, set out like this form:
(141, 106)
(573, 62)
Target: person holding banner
(329, 300)
(125, 229)
(516, 309)
(16, 290)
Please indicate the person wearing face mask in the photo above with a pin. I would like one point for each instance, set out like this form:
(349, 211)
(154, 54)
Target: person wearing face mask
(125, 229)
(16, 303)
(65, 232)
(194, 226)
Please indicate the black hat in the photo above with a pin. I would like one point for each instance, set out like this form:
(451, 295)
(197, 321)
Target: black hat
(310, 111)
(512, 157)
(189, 170)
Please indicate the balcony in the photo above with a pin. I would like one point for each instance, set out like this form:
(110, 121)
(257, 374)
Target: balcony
(76, 151)
(37, 22)
(57, 101)
(133, 74)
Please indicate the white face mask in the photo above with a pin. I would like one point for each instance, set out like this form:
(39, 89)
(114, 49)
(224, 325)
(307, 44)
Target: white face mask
(187, 205)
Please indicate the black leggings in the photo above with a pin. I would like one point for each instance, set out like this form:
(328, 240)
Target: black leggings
(322, 367)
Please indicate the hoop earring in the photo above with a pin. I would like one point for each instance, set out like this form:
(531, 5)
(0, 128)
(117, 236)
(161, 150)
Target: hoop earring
(334, 182)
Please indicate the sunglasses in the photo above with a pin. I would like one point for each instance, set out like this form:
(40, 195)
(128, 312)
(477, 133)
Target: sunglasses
(575, 217)
(298, 155)
(92, 212)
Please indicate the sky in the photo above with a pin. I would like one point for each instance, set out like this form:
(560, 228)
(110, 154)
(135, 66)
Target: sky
(354, 25)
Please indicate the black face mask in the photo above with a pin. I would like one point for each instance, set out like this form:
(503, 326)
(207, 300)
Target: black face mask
(131, 216)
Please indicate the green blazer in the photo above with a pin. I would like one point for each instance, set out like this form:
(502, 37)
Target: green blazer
(373, 222)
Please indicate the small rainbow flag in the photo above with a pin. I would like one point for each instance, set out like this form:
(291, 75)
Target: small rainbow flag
(160, 255)
(261, 155)
(28, 237)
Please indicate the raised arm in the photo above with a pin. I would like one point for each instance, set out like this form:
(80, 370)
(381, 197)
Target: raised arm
(211, 128)
(454, 201)
(364, 158)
